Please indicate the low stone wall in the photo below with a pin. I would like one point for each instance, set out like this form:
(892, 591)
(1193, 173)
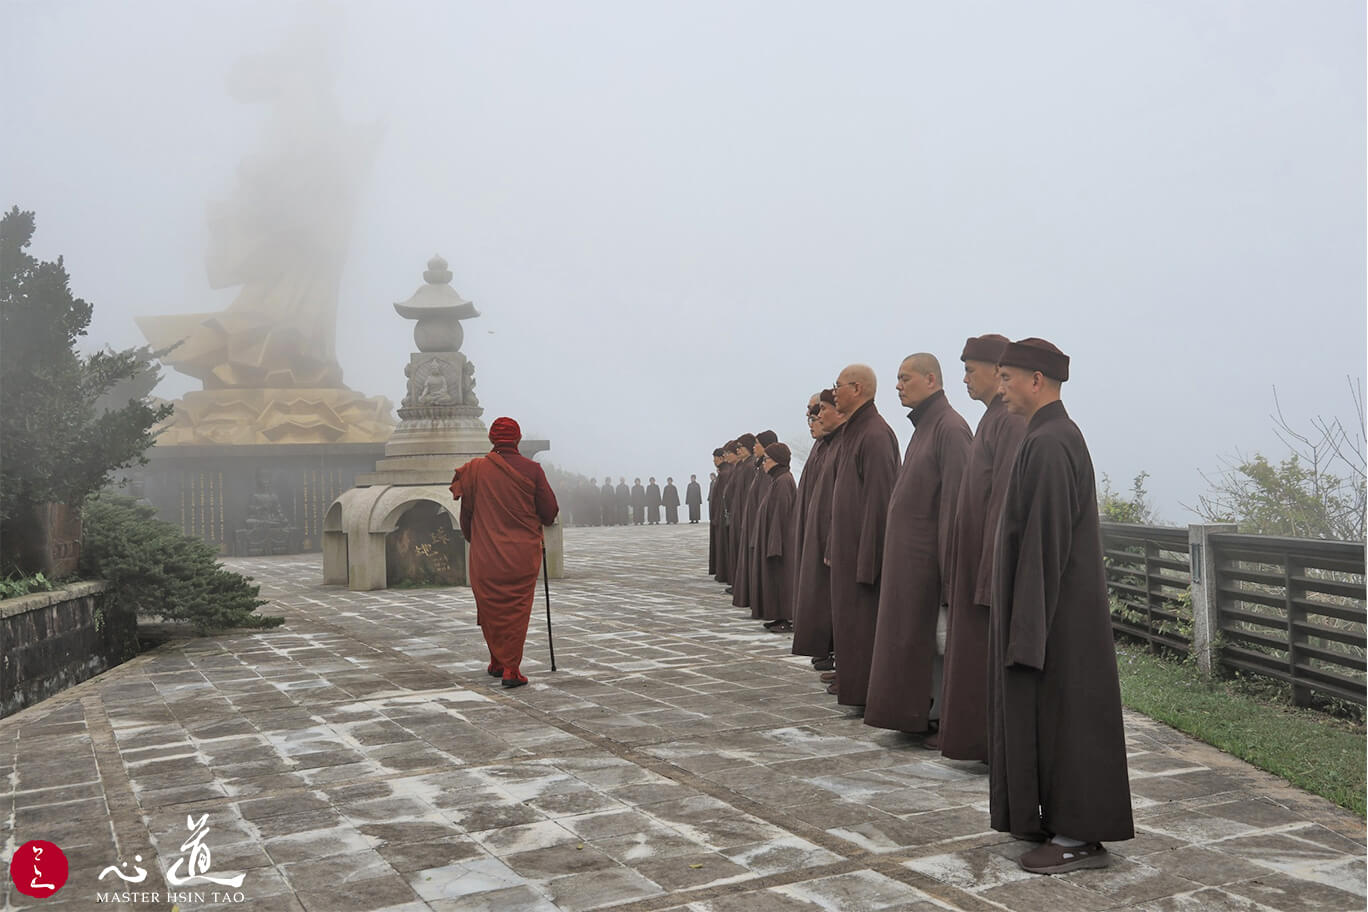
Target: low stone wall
(52, 640)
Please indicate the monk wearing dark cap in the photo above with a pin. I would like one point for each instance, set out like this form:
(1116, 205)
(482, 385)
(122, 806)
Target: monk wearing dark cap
(1057, 746)
(905, 677)
(505, 502)
(812, 610)
(745, 582)
(964, 700)
(693, 498)
(669, 499)
(774, 520)
(866, 468)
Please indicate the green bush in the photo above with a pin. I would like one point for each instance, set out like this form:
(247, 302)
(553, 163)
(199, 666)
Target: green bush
(154, 569)
(16, 585)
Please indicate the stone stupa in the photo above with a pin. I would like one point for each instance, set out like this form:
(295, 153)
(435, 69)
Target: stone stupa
(400, 523)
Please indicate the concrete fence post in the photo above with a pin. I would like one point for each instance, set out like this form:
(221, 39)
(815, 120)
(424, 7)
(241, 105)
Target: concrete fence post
(1206, 624)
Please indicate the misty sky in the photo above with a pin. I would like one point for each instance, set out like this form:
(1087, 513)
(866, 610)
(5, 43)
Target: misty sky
(681, 219)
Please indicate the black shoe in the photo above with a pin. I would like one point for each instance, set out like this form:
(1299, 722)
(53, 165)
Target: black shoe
(513, 682)
(826, 663)
(729, 590)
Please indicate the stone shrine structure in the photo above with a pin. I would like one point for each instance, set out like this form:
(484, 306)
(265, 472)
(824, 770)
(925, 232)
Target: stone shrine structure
(400, 523)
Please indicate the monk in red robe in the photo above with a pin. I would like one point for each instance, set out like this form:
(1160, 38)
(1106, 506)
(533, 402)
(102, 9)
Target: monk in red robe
(1057, 745)
(505, 502)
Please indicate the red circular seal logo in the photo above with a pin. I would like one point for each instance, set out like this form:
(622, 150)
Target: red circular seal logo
(38, 869)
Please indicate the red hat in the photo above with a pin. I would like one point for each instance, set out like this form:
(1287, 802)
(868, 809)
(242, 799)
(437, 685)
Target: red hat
(1036, 355)
(504, 432)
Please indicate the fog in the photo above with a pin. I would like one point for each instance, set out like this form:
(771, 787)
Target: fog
(679, 220)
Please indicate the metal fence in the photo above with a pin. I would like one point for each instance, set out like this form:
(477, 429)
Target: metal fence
(1286, 608)
(1148, 578)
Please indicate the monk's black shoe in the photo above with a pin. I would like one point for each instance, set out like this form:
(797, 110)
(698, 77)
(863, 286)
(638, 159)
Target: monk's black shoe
(494, 672)
(513, 682)
(826, 663)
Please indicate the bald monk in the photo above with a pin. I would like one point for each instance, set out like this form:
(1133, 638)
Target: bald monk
(866, 467)
(505, 502)
(774, 520)
(812, 607)
(1057, 746)
(904, 677)
(964, 700)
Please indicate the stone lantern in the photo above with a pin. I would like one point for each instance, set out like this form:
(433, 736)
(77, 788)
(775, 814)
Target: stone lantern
(400, 522)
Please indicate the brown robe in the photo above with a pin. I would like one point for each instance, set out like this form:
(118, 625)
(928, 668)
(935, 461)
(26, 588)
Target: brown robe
(916, 561)
(865, 470)
(812, 586)
(774, 545)
(755, 556)
(743, 476)
(964, 699)
(715, 520)
(1057, 761)
(722, 515)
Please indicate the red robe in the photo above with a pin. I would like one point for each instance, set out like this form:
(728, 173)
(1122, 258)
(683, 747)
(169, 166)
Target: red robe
(505, 501)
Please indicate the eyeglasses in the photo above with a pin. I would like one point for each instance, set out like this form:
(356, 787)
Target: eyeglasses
(838, 384)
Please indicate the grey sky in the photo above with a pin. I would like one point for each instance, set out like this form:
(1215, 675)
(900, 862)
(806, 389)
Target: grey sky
(680, 219)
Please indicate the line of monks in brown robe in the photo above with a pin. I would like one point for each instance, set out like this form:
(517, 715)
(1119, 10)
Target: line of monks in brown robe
(956, 592)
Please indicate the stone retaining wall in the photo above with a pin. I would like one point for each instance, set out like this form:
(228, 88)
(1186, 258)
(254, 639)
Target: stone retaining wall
(52, 640)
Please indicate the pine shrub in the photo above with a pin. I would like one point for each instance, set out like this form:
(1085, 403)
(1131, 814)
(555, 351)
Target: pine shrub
(155, 569)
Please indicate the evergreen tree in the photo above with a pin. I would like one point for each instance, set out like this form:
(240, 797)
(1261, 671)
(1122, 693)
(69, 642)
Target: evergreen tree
(56, 445)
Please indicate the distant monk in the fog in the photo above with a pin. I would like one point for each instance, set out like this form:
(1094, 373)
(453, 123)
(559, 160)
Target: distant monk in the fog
(653, 501)
(608, 503)
(693, 496)
(638, 502)
(505, 502)
(623, 499)
(670, 498)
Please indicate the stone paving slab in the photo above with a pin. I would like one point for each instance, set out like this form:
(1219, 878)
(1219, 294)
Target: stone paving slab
(359, 758)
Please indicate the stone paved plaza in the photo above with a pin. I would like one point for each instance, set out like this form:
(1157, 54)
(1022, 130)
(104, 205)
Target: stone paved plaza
(359, 758)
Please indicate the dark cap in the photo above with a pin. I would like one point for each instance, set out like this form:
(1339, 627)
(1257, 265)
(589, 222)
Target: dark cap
(765, 438)
(780, 453)
(984, 348)
(1036, 355)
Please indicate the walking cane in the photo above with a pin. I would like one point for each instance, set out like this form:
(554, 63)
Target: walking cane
(546, 583)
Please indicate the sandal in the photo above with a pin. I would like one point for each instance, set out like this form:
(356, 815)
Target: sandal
(1053, 858)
